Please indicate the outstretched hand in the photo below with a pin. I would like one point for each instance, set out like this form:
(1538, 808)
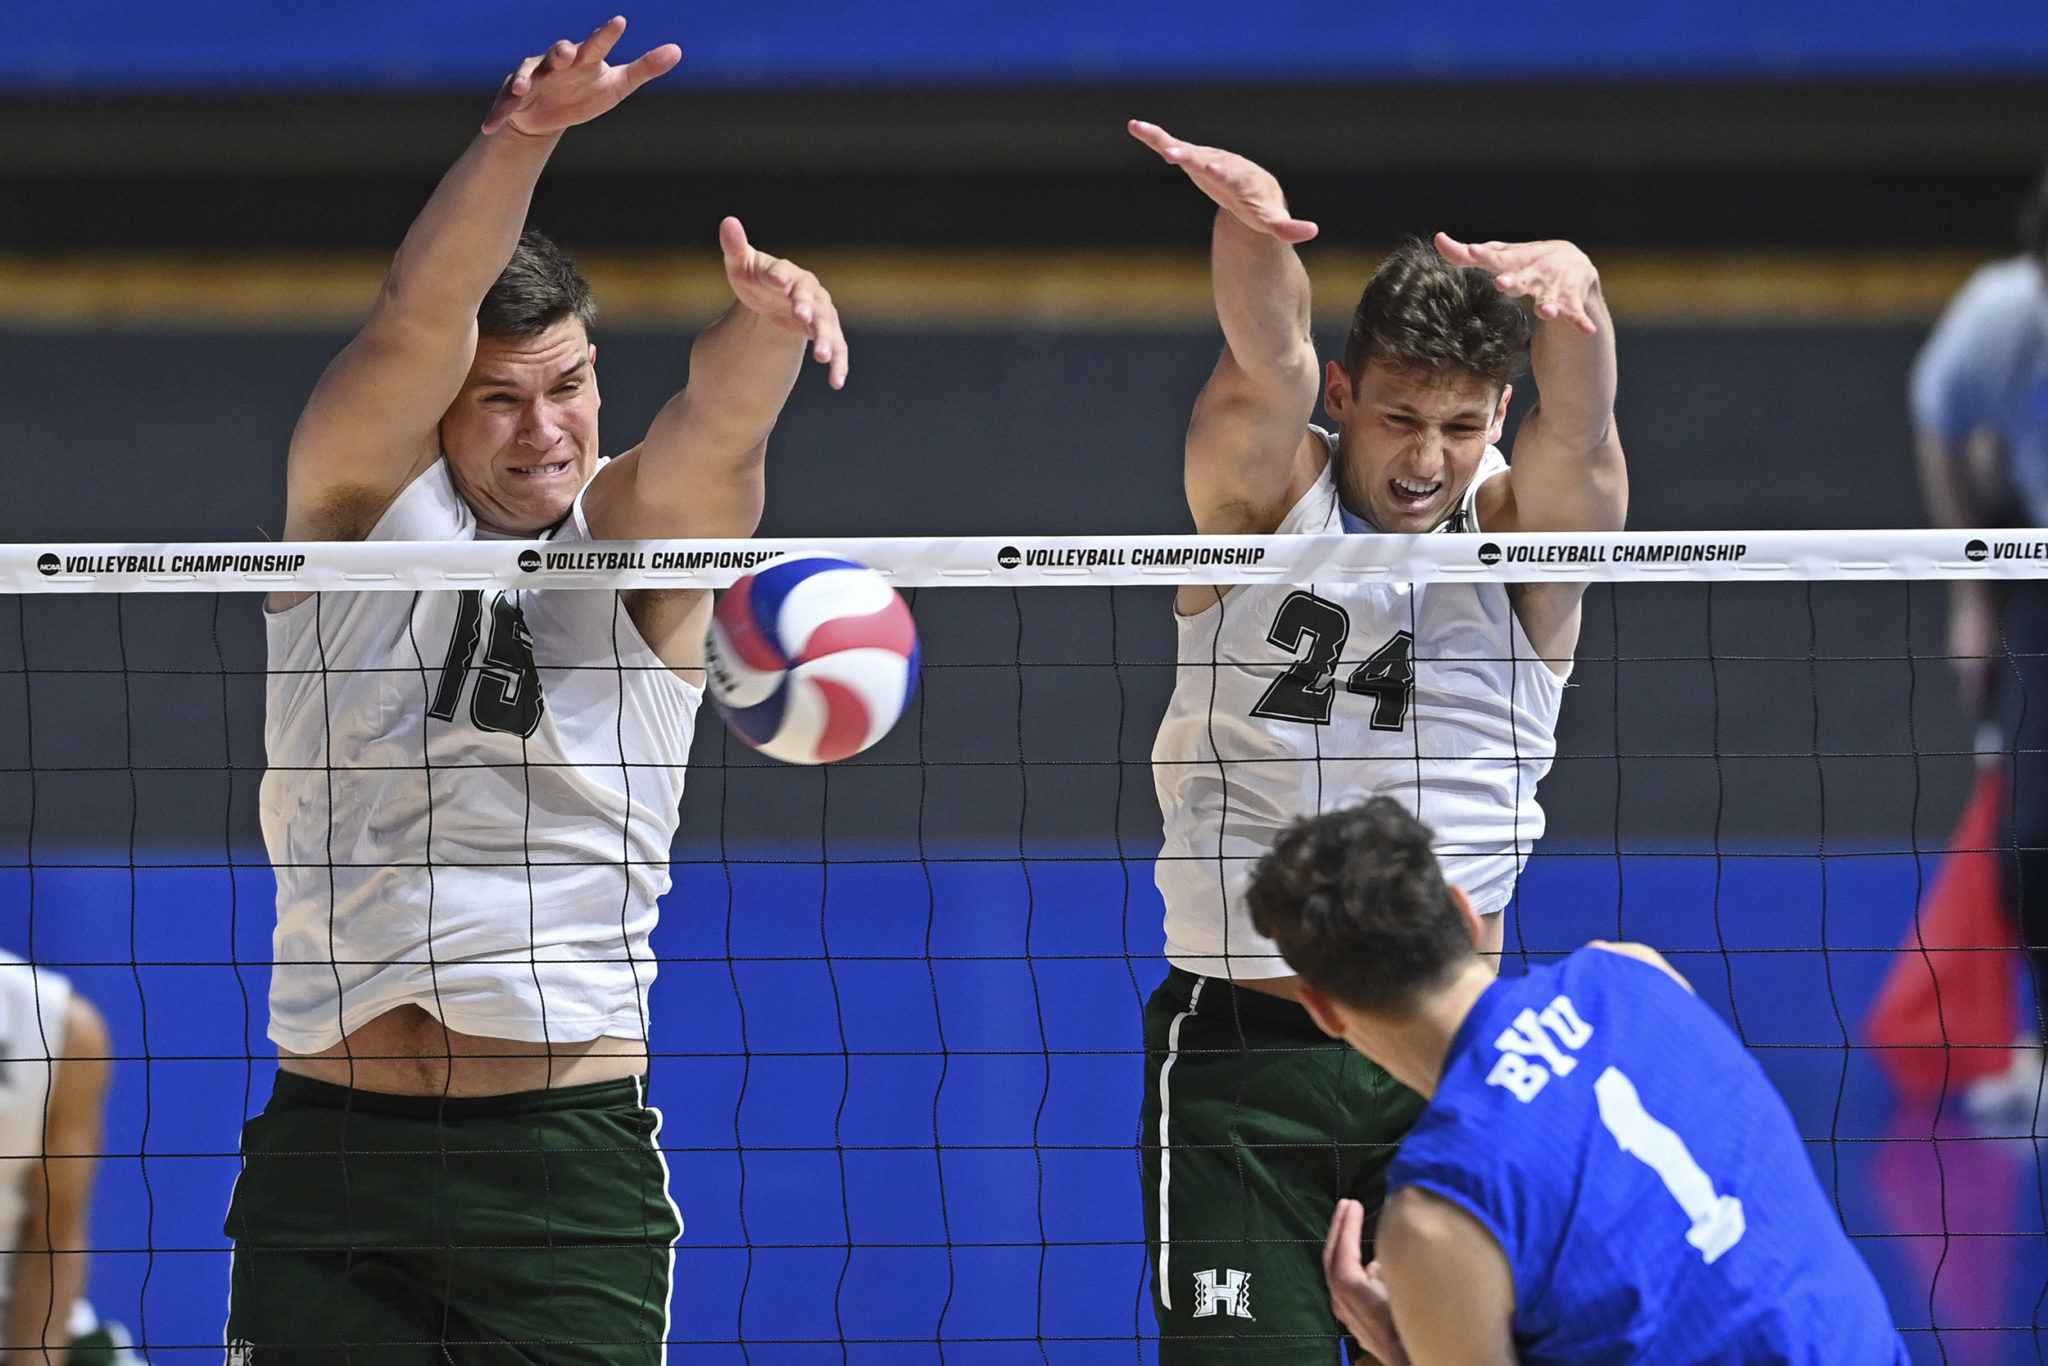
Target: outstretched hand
(571, 83)
(1556, 276)
(1358, 1297)
(786, 295)
(1242, 187)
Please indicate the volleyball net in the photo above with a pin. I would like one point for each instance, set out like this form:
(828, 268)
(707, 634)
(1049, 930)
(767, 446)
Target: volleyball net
(896, 1024)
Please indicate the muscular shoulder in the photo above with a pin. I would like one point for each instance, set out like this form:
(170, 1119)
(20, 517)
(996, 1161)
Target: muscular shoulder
(1418, 1219)
(1448, 1281)
(1642, 953)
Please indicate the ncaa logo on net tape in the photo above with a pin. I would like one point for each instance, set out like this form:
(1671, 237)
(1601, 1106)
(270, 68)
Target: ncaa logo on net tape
(48, 564)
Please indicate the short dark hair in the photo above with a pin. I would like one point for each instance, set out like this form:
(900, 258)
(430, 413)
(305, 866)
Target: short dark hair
(538, 288)
(1359, 907)
(2034, 221)
(1420, 313)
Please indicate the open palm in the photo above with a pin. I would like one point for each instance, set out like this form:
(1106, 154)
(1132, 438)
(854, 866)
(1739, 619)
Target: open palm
(786, 295)
(571, 83)
(1239, 185)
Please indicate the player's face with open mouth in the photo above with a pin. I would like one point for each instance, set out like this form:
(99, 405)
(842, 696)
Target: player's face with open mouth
(521, 439)
(1410, 441)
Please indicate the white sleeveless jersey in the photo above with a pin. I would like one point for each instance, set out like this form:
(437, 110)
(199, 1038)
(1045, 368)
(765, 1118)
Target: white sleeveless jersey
(34, 1003)
(1294, 699)
(469, 801)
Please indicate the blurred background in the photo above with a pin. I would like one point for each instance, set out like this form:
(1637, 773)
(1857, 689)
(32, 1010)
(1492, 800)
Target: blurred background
(948, 940)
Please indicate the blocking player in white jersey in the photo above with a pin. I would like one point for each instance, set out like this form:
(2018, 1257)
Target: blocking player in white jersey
(1291, 699)
(471, 796)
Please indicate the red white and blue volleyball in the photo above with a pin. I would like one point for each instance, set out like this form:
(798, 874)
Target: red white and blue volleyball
(811, 658)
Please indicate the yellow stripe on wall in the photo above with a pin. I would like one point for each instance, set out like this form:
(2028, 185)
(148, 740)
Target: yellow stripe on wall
(955, 289)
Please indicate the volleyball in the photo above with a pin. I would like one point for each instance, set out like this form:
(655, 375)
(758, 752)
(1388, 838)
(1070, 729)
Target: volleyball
(811, 658)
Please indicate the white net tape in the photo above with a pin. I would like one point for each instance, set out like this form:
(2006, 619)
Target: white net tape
(1031, 561)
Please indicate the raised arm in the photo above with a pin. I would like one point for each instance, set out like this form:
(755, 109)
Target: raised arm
(700, 470)
(1568, 473)
(372, 422)
(54, 1244)
(1249, 453)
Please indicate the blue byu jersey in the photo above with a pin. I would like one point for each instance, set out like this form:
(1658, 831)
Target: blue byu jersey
(1647, 1184)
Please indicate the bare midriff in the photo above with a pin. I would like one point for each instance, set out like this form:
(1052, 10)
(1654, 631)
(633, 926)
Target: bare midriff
(407, 1052)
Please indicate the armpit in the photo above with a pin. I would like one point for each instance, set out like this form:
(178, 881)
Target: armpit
(348, 513)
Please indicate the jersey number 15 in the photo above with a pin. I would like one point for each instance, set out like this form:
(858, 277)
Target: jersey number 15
(1314, 630)
(507, 696)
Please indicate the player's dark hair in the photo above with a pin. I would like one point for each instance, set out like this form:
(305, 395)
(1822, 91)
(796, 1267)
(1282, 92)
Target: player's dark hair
(2034, 221)
(1421, 314)
(1359, 907)
(538, 288)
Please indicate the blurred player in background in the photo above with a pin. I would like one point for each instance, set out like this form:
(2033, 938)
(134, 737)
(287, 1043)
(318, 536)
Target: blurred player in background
(470, 802)
(1603, 1172)
(1980, 418)
(55, 1064)
(1290, 700)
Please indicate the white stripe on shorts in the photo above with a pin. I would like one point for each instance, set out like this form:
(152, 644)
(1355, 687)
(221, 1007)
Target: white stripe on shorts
(1165, 1151)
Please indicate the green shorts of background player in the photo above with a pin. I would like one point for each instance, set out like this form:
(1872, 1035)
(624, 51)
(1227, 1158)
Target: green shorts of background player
(381, 1230)
(1255, 1124)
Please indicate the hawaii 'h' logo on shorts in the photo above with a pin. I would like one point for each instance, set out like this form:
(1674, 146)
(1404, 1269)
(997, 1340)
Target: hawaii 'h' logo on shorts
(1227, 1292)
(241, 1352)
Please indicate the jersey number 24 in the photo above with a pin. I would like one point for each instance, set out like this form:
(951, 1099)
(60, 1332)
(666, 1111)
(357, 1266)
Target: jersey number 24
(1314, 630)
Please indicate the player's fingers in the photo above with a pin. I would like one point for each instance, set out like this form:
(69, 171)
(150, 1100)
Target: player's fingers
(1456, 252)
(1526, 260)
(1203, 163)
(1233, 173)
(1295, 230)
(1340, 1248)
(560, 55)
(522, 79)
(1153, 136)
(509, 94)
(1555, 298)
(803, 300)
(779, 273)
(1515, 271)
(598, 45)
(1565, 304)
(732, 243)
(656, 62)
(829, 342)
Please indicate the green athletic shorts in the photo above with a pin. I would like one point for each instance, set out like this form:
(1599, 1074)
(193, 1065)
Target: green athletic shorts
(381, 1230)
(1256, 1123)
(106, 1345)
